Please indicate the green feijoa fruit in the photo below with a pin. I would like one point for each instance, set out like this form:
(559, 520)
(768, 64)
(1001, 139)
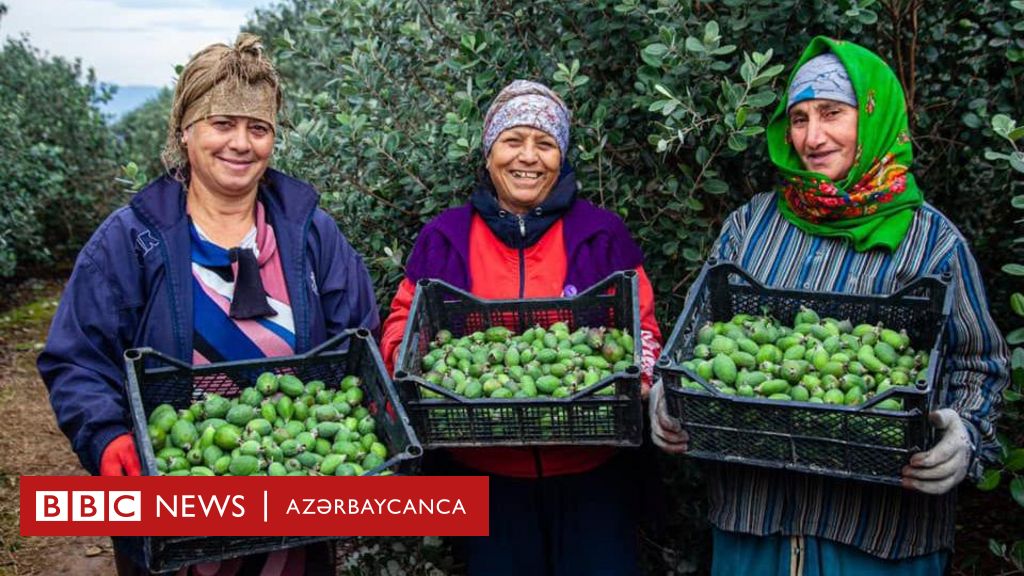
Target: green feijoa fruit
(273, 452)
(211, 454)
(352, 424)
(768, 353)
(300, 411)
(201, 471)
(346, 448)
(854, 396)
(621, 366)
(743, 359)
(327, 429)
(528, 386)
(747, 345)
(289, 447)
(322, 446)
(306, 440)
(294, 428)
(490, 385)
(290, 385)
(547, 355)
(314, 386)
(266, 384)
(745, 390)
(250, 396)
(723, 345)
(292, 465)
(342, 406)
(285, 408)
(324, 397)
(259, 426)
(345, 469)
(197, 410)
(473, 389)
(165, 420)
(561, 392)
(799, 393)
(354, 396)
(186, 415)
(276, 469)
(834, 396)
(178, 463)
(309, 459)
(890, 404)
(268, 411)
(705, 369)
(702, 351)
(178, 473)
(371, 461)
(161, 465)
(497, 334)
(780, 396)
(547, 384)
(244, 465)
(706, 334)
(849, 381)
(240, 414)
(833, 368)
(350, 382)
(299, 472)
(183, 434)
(379, 449)
(160, 410)
(330, 463)
(795, 352)
(793, 370)
(502, 393)
(221, 466)
(360, 412)
(366, 425)
(770, 387)
(367, 441)
(251, 448)
(214, 423)
(194, 456)
(724, 369)
(325, 413)
(596, 362)
(157, 436)
(216, 406)
(227, 437)
(170, 452)
(558, 370)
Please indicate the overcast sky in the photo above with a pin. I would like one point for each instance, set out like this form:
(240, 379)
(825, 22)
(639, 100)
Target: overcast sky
(128, 42)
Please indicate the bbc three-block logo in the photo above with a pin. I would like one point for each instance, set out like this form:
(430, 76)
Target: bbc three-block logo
(88, 506)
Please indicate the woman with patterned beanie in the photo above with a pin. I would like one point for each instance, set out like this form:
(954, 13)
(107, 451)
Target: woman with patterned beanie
(525, 233)
(849, 218)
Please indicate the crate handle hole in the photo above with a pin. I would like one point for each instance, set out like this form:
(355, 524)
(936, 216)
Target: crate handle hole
(415, 451)
(399, 374)
(362, 333)
(633, 370)
(133, 354)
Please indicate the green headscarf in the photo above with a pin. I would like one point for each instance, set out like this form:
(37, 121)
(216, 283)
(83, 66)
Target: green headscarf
(874, 204)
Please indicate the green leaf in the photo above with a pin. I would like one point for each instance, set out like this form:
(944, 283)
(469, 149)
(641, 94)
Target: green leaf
(1017, 161)
(1015, 461)
(711, 34)
(867, 17)
(737, 143)
(1014, 269)
(1017, 303)
(971, 120)
(1002, 125)
(992, 155)
(1016, 133)
(1017, 490)
(715, 186)
(694, 45)
(692, 255)
(1017, 358)
(664, 91)
(653, 53)
(741, 117)
(1015, 337)
(760, 99)
(996, 548)
(990, 480)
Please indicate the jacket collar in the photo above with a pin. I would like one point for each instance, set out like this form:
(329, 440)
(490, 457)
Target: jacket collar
(524, 231)
(162, 202)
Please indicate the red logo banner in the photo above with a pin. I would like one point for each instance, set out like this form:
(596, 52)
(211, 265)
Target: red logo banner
(254, 506)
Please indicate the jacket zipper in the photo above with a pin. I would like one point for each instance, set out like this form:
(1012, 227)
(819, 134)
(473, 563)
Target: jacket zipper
(537, 462)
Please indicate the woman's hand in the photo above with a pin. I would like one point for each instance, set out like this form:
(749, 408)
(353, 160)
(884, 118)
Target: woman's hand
(120, 458)
(666, 432)
(940, 469)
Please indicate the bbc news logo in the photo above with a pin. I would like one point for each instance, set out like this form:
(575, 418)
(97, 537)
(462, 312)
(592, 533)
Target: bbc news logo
(89, 506)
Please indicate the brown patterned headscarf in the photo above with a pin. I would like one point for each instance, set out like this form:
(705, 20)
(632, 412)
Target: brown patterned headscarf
(221, 80)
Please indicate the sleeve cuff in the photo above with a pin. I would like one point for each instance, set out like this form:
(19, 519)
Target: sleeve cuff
(974, 466)
(100, 439)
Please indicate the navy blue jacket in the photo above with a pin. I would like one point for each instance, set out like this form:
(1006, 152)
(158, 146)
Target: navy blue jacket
(132, 286)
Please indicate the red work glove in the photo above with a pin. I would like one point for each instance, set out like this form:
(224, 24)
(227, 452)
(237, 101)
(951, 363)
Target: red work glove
(120, 458)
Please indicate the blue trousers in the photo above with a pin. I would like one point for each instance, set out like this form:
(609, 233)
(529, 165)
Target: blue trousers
(747, 555)
(572, 525)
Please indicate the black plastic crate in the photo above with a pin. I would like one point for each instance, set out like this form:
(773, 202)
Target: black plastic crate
(581, 419)
(856, 442)
(154, 379)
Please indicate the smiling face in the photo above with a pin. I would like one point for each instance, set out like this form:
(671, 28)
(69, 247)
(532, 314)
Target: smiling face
(524, 164)
(229, 154)
(824, 135)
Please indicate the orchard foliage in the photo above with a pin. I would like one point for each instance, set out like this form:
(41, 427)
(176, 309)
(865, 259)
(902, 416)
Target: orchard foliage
(670, 98)
(57, 157)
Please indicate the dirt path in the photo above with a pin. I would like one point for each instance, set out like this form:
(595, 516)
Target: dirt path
(31, 444)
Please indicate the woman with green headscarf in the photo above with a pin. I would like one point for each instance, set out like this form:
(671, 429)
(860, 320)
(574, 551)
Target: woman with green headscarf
(849, 218)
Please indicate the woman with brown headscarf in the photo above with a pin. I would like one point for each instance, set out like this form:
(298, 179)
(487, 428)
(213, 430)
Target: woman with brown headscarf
(220, 259)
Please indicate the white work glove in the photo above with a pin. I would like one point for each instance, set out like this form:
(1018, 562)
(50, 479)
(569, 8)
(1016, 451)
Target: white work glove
(666, 432)
(940, 469)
